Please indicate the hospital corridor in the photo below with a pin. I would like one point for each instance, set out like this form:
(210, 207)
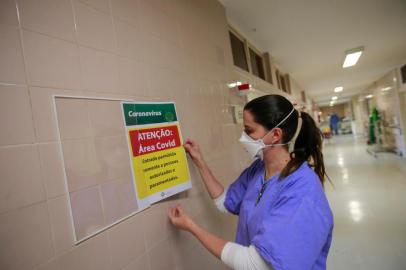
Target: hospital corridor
(367, 202)
(202, 134)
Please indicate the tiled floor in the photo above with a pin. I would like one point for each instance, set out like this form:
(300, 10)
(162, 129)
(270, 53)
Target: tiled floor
(369, 205)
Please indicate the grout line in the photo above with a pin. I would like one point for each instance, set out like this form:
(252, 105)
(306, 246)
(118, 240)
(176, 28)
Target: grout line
(94, 8)
(35, 133)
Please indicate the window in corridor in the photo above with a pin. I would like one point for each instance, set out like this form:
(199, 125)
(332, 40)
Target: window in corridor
(257, 64)
(239, 52)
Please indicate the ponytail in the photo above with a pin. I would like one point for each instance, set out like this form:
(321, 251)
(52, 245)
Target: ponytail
(308, 147)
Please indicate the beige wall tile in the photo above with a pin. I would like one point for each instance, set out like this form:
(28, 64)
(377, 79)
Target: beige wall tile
(128, 39)
(127, 243)
(140, 263)
(52, 169)
(61, 224)
(15, 116)
(11, 56)
(126, 10)
(49, 265)
(20, 175)
(112, 157)
(51, 62)
(132, 76)
(151, 26)
(25, 237)
(44, 113)
(82, 168)
(87, 211)
(55, 20)
(94, 28)
(101, 5)
(170, 30)
(163, 87)
(90, 255)
(99, 70)
(8, 13)
(119, 199)
(182, 244)
(73, 119)
(157, 226)
(152, 50)
(165, 261)
(105, 118)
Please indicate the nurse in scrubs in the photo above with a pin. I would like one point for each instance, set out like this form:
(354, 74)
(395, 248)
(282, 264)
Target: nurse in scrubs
(285, 221)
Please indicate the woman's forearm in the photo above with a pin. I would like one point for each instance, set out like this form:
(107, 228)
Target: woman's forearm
(211, 242)
(214, 188)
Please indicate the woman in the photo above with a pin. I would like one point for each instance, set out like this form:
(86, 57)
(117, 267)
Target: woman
(285, 221)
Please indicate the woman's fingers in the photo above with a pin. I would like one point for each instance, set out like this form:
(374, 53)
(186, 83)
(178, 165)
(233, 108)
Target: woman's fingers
(179, 210)
(174, 212)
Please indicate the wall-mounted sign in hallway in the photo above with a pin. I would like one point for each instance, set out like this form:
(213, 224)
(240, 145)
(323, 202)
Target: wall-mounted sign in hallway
(158, 159)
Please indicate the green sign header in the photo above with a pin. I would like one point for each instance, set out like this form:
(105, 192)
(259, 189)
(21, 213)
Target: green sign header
(148, 113)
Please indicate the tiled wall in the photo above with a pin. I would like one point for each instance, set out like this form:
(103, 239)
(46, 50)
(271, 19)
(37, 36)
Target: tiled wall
(140, 49)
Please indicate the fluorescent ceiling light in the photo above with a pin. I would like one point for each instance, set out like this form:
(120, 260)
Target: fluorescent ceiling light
(234, 84)
(386, 89)
(338, 89)
(334, 98)
(352, 56)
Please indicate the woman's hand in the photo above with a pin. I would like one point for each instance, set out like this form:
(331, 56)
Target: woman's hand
(182, 221)
(193, 149)
(179, 218)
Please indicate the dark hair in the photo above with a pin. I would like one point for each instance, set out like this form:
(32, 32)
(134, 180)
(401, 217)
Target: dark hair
(269, 110)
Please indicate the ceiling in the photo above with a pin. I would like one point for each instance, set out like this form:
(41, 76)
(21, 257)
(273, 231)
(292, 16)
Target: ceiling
(308, 39)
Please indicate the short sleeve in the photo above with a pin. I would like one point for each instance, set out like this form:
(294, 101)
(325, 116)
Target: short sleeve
(236, 191)
(293, 234)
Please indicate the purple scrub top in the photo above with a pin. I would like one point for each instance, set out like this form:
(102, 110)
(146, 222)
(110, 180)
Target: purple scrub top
(291, 227)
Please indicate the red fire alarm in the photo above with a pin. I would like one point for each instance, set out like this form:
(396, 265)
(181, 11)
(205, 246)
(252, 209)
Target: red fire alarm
(243, 89)
(244, 86)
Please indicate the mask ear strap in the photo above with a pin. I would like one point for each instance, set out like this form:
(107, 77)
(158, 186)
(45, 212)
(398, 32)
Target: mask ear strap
(299, 127)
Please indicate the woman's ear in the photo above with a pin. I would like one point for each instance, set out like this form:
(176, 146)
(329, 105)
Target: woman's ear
(276, 136)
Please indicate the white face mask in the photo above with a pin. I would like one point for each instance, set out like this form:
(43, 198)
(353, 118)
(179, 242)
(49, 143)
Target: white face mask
(255, 147)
